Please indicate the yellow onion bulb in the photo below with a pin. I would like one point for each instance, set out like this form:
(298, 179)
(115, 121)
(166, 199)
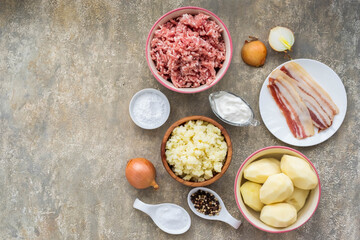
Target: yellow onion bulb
(141, 173)
(254, 52)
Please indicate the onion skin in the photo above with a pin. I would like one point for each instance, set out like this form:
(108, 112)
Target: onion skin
(141, 173)
(254, 53)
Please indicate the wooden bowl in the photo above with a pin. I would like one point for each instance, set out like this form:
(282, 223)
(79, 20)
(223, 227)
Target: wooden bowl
(227, 159)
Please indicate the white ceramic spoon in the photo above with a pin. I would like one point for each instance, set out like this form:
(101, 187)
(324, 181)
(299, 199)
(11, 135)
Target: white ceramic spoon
(223, 216)
(170, 218)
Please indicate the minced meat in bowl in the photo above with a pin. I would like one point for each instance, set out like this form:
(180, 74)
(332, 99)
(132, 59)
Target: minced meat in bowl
(189, 49)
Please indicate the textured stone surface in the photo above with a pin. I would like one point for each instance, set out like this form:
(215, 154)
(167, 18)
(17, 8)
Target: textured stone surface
(68, 70)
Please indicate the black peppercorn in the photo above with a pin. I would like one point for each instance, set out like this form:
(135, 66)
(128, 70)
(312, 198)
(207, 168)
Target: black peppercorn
(206, 203)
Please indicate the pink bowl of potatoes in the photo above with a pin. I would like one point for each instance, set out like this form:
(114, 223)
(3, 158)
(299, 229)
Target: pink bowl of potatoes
(189, 49)
(277, 189)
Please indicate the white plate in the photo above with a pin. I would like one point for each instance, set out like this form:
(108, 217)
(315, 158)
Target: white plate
(276, 122)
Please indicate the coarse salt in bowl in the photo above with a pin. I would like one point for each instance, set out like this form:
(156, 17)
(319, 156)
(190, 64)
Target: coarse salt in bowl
(252, 216)
(174, 14)
(149, 108)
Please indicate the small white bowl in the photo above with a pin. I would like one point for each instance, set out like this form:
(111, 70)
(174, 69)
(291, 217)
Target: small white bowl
(252, 216)
(174, 14)
(152, 124)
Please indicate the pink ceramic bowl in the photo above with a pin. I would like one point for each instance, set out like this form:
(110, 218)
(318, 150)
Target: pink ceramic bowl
(176, 13)
(252, 216)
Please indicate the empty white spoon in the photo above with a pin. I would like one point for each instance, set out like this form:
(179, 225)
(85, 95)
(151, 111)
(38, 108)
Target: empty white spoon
(223, 215)
(170, 218)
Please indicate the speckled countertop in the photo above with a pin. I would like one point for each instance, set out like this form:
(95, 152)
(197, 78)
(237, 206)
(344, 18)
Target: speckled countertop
(68, 70)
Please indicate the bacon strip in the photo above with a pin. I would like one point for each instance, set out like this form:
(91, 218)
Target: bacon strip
(321, 107)
(293, 108)
(318, 115)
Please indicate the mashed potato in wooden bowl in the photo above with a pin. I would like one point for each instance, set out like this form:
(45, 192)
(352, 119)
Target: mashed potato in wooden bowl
(196, 151)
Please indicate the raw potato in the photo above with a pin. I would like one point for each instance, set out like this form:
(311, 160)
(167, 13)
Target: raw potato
(298, 198)
(251, 194)
(299, 172)
(276, 188)
(260, 170)
(279, 215)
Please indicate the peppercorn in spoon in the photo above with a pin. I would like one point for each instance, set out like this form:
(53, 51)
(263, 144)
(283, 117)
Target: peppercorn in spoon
(207, 204)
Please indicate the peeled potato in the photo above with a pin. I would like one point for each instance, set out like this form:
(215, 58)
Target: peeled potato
(299, 171)
(278, 215)
(251, 194)
(276, 188)
(260, 170)
(298, 198)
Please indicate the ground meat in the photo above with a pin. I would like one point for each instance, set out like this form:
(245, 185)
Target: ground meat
(188, 50)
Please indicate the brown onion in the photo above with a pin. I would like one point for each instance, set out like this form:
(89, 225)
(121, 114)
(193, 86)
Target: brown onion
(254, 52)
(140, 173)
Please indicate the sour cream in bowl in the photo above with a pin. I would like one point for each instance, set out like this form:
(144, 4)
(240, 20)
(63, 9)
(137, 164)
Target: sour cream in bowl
(232, 109)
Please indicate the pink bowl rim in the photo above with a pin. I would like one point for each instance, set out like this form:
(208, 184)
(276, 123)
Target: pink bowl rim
(196, 90)
(238, 174)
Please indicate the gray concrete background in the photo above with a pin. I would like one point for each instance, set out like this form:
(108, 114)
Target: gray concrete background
(68, 70)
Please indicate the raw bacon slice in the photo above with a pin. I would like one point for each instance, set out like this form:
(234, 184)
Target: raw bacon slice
(311, 91)
(293, 108)
(319, 116)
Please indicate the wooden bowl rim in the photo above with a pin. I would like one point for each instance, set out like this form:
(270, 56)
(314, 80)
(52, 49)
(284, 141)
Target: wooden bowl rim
(227, 159)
